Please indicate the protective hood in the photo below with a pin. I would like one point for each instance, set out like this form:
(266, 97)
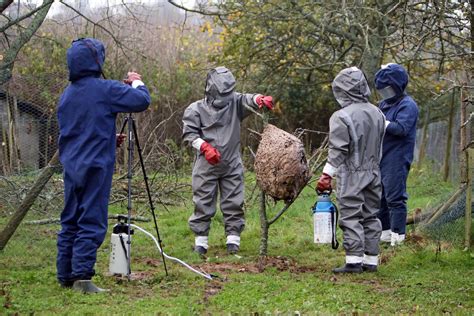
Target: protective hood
(392, 75)
(85, 58)
(350, 86)
(220, 85)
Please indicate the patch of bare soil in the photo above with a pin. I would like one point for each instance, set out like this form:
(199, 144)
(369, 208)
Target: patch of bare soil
(280, 164)
(280, 263)
(212, 288)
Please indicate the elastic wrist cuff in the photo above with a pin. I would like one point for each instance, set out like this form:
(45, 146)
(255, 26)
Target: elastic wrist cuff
(137, 83)
(197, 143)
(329, 170)
(255, 98)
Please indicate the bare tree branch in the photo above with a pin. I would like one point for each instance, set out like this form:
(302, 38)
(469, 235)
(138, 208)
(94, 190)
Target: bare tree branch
(23, 17)
(5, 4)
(194, 10)
(6, 64)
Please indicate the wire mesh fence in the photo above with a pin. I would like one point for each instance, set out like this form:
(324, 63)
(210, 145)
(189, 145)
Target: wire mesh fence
(29, 139)
(29, 134)
(445, 221)
(450, 220)
(29, 131)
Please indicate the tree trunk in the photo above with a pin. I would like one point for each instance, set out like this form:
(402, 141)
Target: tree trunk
(264, 226)
(468, 213)
(465, 164)
(447, 156)
(470, 151)
(4, 4)
(424, 138)
(28, 201)
(9, 56)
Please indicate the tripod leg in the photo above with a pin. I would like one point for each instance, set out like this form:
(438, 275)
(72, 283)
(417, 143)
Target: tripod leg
(129, 120)
(125, 121)
(150, 200)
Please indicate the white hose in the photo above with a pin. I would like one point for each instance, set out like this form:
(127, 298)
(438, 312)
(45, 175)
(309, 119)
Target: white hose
(207, 276)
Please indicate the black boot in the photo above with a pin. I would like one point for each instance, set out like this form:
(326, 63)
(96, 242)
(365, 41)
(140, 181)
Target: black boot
(349, 268)
(66, 284)
(86, 286)
(369, 267)
(201, 251)
(232, 249)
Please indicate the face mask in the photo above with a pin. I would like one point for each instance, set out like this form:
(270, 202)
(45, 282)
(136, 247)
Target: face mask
(387, 92)
(222, 101)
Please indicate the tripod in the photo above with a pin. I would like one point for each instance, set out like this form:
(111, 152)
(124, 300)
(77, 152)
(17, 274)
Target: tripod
(131, 136)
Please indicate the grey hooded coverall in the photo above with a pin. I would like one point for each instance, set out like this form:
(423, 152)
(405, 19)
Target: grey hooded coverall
(216, 119)
(355, 141)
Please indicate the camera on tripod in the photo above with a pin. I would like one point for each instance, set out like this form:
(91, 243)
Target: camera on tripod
(121, 239)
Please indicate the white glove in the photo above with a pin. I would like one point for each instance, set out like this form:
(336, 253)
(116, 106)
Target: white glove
(386, 123)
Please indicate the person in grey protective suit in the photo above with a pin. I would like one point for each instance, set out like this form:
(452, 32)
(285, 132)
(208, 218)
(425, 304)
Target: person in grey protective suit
(355, 141)
(212, 127)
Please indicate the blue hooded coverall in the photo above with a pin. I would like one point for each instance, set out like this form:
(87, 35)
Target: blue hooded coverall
(398, 146)
(87, 112)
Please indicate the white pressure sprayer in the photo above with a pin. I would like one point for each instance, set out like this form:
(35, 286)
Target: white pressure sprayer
(325, 220)
(118, 262)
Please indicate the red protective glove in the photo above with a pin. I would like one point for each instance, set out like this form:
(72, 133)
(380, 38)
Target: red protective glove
(324, 183)
(131, 76)
(264, 100)
(211, 154)
(119, 139)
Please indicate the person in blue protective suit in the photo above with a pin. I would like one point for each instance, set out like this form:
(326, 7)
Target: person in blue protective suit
(87, 112)
(401, 113)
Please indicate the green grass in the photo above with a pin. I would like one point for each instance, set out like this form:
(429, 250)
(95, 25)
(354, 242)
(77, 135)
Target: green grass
(414, 278)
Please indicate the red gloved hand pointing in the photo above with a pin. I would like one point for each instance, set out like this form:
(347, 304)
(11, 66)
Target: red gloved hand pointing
(120, 138)
(324, 183)
(264, 100)
(211, 154)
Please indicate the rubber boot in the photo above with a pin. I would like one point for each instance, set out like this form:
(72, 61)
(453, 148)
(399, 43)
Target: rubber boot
(349, 268)
(232, 249)
(86, 286)
(369, 267)
(201, 251)
(370, 262)
(66, 284)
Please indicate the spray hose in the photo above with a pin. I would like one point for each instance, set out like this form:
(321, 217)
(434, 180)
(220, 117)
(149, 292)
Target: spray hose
(205, 275)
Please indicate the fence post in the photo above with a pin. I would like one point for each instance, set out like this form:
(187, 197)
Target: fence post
(468, 219)
(424, 138)
(466, 165)
(447, 156)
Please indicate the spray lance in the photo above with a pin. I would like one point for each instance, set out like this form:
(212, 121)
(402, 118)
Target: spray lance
(325, 215)
(119, 249)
